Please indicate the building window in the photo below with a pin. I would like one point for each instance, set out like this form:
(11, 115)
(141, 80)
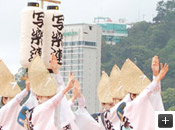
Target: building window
(90, 43)
(75, 56)
(79, 43)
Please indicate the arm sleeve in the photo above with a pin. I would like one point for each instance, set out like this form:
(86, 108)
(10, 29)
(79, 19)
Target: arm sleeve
(126, 98)
(70, 103)
(158, 88)
(149, 89)
(81, 102)
(59, 79)
(19, 97)
(156, 98)
(54, 101)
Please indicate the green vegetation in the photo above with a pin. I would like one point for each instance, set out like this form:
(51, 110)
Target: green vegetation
(146, 40)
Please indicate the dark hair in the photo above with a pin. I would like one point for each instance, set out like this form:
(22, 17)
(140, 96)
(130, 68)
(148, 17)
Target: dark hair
(133, 95)
(2, 100)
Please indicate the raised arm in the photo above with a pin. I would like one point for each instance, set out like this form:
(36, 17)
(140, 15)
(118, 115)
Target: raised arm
(77, 94)
(160, 76)
(155, 65)
(19, 97)
(54, 101)
(55, 68)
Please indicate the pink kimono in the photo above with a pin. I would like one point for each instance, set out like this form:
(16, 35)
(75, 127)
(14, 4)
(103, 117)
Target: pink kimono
(111, 119)
(9, 113)
(43, 114)
(140, 112)
(64, 116)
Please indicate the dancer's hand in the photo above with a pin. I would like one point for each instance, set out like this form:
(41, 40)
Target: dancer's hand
(54, 64)
(70, 83)
(27, 83)
(155, 65)
(163, 72)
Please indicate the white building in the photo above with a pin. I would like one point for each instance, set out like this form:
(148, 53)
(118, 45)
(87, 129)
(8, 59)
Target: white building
(82, 56)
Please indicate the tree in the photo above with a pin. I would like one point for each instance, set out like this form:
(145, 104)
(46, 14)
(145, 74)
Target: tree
(144, 41)
(169, 98)
(164, 10)
(161, 8)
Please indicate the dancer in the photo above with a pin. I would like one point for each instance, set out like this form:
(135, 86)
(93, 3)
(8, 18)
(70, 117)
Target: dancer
(132, 113)
(11, 99)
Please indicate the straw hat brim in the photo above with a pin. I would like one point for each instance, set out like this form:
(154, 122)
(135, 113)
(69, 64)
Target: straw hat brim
(103, 89)
(132, 78)
(116, 88)
(114, 72)
(8, 85)
(42, 82)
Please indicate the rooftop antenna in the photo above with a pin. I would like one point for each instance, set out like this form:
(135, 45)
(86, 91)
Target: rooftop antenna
(50, 1)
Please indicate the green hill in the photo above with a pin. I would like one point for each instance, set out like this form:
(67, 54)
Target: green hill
(144, 41)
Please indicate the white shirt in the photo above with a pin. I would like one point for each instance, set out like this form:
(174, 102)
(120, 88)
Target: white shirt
(140, 111)
(63, 114)
(43, 114)
(10, 111)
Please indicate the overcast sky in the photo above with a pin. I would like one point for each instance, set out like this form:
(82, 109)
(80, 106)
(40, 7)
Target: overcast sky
(75, 11)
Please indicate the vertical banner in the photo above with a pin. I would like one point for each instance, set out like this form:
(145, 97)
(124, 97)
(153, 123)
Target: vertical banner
(31, 37)
(53, 35)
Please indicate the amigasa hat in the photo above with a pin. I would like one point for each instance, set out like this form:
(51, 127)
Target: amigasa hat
(116, 88)
(103, 89)
(8, 85)
(132, 78)
(42, 82)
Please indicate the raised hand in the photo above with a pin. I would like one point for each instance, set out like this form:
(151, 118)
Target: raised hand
(54, 64)
(155, 65)
(76, 90)
(163, 72)
(26, 82)
(70, 83)
(77, 85)
(71, 79)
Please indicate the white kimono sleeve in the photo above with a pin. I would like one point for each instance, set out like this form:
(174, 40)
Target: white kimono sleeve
(63, 113)
(32, 101)
(8, 113)
(140, 112)
(17, 99)
(81, 102)
(84, 121)
(156, 98)
(43, 114)
(111, 119)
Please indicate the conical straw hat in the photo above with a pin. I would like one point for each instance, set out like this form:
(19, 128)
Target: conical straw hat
(42, 82)
(103, 89)
(132, 78)
(116, 88)
(8, 85)
(115, 72)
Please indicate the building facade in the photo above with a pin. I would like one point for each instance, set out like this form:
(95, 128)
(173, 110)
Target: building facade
(82, 57)
(112, 31)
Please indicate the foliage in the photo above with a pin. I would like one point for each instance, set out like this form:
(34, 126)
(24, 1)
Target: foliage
(168, 99)
(144, 41)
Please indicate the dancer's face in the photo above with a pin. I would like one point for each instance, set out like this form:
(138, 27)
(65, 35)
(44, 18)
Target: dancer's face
(133, 96)
(116, 100)
(107, 106)
(5, 100)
